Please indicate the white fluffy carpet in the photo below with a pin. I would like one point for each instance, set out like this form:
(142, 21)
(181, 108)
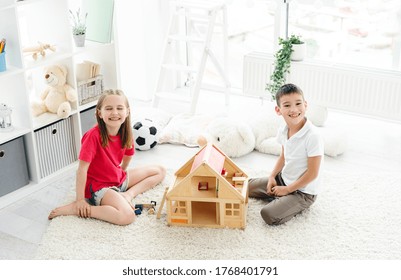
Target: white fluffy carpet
(358, 216)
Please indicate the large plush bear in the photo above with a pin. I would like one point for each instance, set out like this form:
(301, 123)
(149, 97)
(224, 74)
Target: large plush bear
(264, 127)
(57, 96)
(234, 138)
(237, 138)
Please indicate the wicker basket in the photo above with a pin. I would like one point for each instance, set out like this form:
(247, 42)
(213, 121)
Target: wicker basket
(90, 89)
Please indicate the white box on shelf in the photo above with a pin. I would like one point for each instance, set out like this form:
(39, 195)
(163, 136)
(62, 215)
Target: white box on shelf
(90, 89)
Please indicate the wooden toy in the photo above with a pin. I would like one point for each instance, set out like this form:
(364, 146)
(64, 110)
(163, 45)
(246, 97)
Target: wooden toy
(159, 212)
(40, 49)
(150, 206)
(210, 190)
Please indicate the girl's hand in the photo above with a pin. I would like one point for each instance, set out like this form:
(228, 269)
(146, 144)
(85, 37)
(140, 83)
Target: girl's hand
(83, 208)
(280, 190)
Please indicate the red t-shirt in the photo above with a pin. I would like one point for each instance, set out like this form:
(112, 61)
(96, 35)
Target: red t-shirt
(104, 169)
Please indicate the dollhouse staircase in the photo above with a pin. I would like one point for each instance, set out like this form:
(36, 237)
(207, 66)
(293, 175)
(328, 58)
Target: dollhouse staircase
(193, 25)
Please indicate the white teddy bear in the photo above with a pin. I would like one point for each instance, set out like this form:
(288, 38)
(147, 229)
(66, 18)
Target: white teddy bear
(264, 127)
(58, 95)
(237, 138)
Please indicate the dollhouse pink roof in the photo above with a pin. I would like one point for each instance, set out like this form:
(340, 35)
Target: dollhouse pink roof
(211, 156)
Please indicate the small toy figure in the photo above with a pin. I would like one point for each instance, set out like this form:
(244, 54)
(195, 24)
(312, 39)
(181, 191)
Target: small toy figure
(150, 206)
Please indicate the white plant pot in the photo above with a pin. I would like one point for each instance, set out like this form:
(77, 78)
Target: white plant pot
(79, 40)
(299, 51)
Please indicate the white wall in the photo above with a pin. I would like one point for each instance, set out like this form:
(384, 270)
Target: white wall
(141, 29)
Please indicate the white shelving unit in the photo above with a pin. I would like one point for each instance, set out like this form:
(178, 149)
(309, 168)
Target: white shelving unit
(24, 24)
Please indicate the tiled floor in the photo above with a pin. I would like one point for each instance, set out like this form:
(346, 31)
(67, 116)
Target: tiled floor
(373, 146)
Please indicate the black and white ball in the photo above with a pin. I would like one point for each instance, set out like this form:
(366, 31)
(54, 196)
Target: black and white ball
(145, 135)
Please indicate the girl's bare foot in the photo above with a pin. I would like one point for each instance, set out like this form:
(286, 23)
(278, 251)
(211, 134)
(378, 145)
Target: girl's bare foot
(68, 209)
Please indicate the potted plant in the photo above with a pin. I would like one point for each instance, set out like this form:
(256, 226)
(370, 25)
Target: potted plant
(78, 27)
(287, 52)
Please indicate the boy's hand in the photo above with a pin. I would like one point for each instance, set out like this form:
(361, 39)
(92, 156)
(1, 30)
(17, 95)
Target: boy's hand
(270, 184)
(280, 190)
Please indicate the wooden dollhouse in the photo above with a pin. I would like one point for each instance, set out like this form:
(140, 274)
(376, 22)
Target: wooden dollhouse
(210, 190)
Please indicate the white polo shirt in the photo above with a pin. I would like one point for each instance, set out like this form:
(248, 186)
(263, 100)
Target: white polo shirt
(305, 143)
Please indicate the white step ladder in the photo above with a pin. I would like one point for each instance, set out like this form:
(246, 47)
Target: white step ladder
(181, 71)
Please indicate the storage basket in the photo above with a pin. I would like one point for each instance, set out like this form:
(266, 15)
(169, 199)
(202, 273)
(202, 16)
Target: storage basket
(56, 146)
(90, 89)
(13, 166)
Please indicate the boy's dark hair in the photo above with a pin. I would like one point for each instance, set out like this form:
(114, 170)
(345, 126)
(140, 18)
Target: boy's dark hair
(287, 89)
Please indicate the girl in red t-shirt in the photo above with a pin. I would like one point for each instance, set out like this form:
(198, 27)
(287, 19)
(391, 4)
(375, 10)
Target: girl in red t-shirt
(104, 186)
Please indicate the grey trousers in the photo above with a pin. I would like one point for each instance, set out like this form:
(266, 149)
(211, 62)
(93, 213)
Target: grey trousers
(279, 210)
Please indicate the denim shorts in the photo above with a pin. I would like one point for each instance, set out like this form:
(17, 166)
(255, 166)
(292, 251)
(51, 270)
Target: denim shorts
(96, 197)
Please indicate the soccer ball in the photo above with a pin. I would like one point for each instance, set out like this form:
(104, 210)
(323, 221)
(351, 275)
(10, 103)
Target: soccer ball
(145, 135)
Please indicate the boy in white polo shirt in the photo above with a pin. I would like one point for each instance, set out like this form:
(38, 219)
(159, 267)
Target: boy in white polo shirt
(294, 181)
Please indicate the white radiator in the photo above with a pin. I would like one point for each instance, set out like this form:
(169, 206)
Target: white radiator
(375, 93)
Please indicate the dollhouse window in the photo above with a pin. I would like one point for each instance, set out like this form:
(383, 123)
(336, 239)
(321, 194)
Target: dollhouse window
(203, 186)
(233, 210)
(179, 207)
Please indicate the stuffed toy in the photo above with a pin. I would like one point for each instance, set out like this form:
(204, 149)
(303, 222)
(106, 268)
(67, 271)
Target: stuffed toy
(234, 138)
(264, 127)
(58, 95)
(237, 138)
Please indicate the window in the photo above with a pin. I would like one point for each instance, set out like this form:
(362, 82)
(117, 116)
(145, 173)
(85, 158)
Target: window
(233, 210)
(179, 207)
(363, 33)
(354, 32)
(250, 28)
